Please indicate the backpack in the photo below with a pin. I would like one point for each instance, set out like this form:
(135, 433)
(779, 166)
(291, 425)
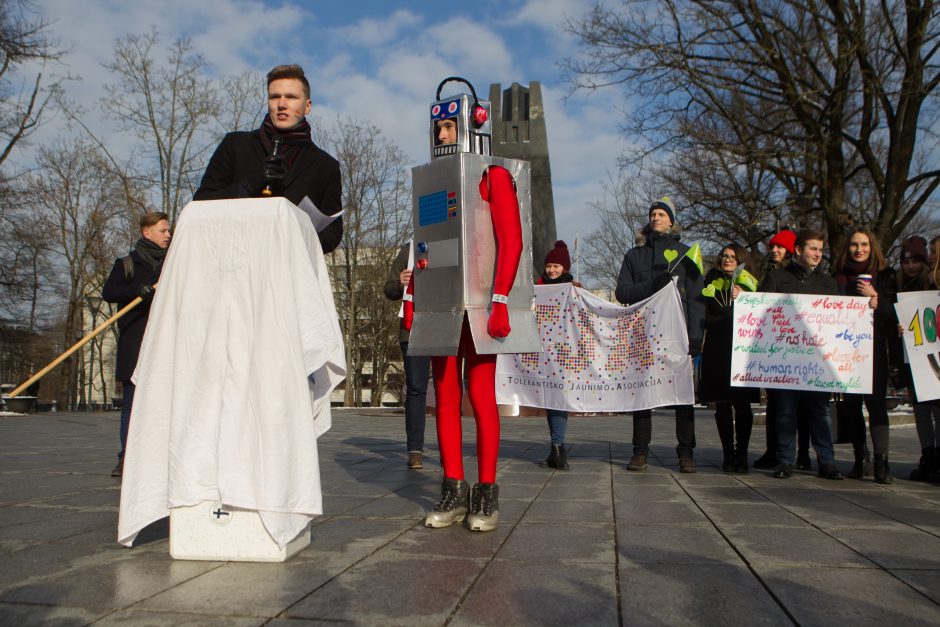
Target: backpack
(128, 262)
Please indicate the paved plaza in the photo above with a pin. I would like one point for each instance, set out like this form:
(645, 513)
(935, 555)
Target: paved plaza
(595, 545)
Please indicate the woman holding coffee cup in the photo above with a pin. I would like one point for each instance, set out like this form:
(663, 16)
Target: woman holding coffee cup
(863, 271)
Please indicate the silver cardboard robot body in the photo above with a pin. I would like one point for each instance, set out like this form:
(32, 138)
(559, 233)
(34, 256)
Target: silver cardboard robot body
(454, 233)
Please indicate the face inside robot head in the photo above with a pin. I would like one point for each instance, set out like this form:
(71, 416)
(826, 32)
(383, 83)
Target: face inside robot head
(459, 124)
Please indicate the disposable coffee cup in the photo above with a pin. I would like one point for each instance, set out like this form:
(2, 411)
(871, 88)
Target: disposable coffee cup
(864, 278)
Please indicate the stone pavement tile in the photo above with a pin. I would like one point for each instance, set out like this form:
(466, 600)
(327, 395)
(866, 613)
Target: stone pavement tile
(19, 488)
(568, 478)
(101, 498)
(598, 493)
(507, 490)
(355, 538)
(637, 512)
(751, 514)
(46, 615)
(568, 511)
(393, 506)
(41, 561)
(337, 504)
(695, 594)
(541, 593)
(512, 510)
(673, 545)
(894, 548)
(455, 541)
(652, 477)
(927, 582)
(793, 546)
(836, 513)
(642, 493)
(247, 588)
(19, 514)
(59, 527)
(352, 487)
(390, 589)
(152, 618)
(706, 479)
(583, 542)
(724, 494)
(119, 583)
(839, 597)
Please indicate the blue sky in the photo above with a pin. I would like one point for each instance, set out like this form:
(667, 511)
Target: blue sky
(376, 61)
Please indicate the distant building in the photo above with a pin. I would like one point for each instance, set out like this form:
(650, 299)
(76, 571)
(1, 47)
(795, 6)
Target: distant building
(518, 119)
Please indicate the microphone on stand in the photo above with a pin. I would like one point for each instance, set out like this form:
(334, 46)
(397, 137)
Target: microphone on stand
(268, 189)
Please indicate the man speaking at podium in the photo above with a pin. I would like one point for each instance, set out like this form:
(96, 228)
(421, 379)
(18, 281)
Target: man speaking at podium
(280, 158)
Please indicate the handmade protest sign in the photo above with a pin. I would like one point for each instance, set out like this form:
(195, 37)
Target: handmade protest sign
(601, 357)
(802, 342)
(917, 314)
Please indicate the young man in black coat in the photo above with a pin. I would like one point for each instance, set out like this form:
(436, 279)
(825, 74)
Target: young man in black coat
(129, 279)
(280, 158)
(645, 271)
(802, 276)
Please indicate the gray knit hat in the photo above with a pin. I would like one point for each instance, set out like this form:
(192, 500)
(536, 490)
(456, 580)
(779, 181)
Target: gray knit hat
(665, 203)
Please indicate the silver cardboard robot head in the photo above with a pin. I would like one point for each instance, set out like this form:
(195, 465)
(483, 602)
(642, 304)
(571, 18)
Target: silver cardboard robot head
(459, 123)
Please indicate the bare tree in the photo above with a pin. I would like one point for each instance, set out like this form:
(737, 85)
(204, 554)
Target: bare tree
(835, 99)
(78, 202)
(169, 108)
(622, 211)
(377, 221)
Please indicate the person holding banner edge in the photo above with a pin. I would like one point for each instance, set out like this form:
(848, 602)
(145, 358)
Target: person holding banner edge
(917, 276)
(863, 271)
(721, 288)
(801, 276)
(646, 270)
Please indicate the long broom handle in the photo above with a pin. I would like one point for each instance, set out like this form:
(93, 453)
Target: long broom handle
(55, 362)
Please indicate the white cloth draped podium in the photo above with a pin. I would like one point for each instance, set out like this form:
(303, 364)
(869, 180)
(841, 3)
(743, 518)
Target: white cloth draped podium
(241, 352)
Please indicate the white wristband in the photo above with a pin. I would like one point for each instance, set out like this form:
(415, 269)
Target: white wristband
(499, 298)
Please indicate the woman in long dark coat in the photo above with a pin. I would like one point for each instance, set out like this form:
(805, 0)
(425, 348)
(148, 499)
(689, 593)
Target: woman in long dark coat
(733, 414)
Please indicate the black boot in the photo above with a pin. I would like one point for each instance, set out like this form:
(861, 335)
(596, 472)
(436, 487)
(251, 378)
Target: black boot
(922, 471)
(802, 460)
(552, 460)
(882, 472)
(740, 461)
(862, 465)
(484, 507)
(562, 458)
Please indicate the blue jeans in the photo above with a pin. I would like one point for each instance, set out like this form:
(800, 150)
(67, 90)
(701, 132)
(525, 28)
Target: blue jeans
(816, 406)
(417, 373)
(126, 404)
(557, 424)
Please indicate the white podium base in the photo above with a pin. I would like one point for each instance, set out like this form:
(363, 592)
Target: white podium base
(209, 531)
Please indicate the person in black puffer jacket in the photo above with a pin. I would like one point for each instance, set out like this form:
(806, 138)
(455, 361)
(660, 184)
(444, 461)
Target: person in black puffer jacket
(644, 272)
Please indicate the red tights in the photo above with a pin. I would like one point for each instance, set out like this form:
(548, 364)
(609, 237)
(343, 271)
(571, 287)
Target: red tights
(481, 373)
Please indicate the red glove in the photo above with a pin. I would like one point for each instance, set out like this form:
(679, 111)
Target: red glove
(496, 187)
(498, 325)
(408, 315)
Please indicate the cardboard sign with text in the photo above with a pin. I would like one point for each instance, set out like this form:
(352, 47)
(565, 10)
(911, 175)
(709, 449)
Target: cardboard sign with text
(917, 315)
(802, 342)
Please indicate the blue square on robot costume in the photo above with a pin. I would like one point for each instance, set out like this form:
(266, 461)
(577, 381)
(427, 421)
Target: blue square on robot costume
(432, 208)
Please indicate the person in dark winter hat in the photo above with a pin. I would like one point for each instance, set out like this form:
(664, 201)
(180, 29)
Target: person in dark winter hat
(645, 271)
(914, 247)
(557, 270)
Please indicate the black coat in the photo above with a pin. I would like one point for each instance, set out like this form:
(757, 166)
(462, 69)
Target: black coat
(794, 279)
(236, 170)
(714, 384)
(644, 263)
(131, 326)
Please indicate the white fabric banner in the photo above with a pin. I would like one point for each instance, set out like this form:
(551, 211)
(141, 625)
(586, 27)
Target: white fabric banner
(802, 342)
(917, 314)
(601, 357)
(241, 352)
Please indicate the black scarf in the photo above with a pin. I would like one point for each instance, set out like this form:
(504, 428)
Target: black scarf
(291, 140)
(562, 278)
(150, 252)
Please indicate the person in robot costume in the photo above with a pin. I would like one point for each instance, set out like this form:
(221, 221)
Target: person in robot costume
(478, 504)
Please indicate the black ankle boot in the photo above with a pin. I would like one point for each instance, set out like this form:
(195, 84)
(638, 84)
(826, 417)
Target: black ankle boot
(557, 458)
(922, 471)
(882, 472)
(562, 458)
(862, 466)
(740, 462)
(727, 462)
